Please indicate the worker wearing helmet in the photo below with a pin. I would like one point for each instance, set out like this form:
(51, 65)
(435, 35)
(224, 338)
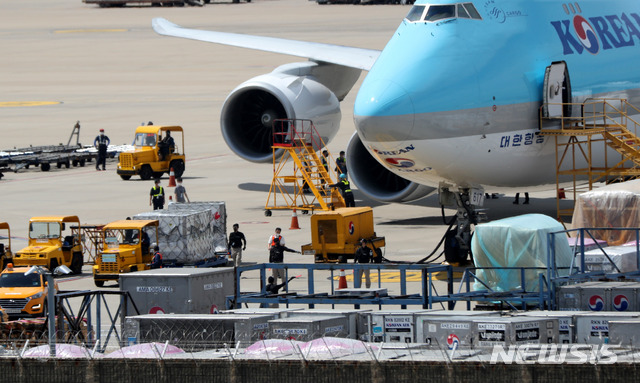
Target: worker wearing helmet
(156, 262)
(345, 188)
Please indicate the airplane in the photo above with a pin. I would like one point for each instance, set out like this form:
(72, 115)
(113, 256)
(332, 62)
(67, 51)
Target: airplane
(454, 97)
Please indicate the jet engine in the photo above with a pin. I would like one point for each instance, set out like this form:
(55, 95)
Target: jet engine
(376, 181)
(306, 90)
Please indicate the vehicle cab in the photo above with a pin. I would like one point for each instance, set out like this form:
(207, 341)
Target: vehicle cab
(5, 244)
(53, 241)
(23, 295)
(158, 149)
(126, 248)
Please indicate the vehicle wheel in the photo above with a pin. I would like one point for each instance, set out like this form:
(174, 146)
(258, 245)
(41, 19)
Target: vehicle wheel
(178, 168)
(158, 174)
(76, 263)
(267, 213)
(146, 173)
(45, 167)
(59, 165)
(81, 162)
(67, 164)
(53, 264)
(124, 177)
(74, 163)
(45, 308)
(98, 283)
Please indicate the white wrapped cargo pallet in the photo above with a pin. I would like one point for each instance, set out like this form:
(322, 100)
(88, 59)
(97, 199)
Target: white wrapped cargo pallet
(185, 237)
(218, 222)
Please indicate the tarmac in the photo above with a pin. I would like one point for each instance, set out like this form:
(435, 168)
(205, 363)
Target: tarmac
(66, 61)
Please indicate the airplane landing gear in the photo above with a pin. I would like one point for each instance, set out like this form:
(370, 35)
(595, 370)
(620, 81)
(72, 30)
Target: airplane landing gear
(457, 245)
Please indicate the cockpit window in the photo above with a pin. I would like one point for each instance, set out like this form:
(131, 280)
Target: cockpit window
(462, 13)
(441, 12)
(415, 14)
(473, 12)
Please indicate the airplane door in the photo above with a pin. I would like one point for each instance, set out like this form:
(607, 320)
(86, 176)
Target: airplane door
(557, 91)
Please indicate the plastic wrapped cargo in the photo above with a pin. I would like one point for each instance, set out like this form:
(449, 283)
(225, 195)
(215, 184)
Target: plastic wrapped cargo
(218, 222)
(519, 241)
(614, 205)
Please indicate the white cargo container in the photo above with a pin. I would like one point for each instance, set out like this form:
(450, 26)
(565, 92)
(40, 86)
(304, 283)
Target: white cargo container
(309, 328)
(507, 331)
(593, 328)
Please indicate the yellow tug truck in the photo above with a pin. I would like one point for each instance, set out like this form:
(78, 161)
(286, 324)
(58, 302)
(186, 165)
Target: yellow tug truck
(158, 149)
(53, 241)
(5, 244)
(126, 248)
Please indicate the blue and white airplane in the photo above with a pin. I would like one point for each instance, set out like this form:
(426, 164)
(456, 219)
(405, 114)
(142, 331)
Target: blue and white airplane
(454, 96)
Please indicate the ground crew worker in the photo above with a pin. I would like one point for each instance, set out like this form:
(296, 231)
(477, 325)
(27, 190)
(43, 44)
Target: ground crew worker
(272, 288)
(363, 255)
(237, 243)
(276, 255)
(101, 143)
(274, 236)
(166, 146)
(341, 164)
(156, 196)
(345, 188)
(156, 262)
(181, 192)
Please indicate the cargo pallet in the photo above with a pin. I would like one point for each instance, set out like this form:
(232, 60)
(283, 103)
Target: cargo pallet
(427, 298)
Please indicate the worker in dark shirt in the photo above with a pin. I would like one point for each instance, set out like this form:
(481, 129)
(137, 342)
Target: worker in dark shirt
(156, 262)
(101, 143)
(363, 255)
(156, 196)
(345, 188)
(237, 243)
(272, 288)
(276, 255)
(341, 164)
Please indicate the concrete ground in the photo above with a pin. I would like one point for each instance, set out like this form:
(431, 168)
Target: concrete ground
(107, 69)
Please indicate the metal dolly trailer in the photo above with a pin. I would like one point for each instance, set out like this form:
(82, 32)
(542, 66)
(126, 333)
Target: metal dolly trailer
(44, 159)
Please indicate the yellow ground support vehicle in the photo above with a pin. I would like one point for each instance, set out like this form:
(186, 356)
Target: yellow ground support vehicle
(153, 156)
(125, 249)
(5, 245)
(23, 295)
(53, 241)
(335, 235)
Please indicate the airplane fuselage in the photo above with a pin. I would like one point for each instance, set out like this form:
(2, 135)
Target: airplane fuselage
(458, 98)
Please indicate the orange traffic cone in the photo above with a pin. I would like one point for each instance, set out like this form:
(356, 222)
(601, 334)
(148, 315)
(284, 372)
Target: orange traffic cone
(172, 178)
(342, 282)
(294, 221)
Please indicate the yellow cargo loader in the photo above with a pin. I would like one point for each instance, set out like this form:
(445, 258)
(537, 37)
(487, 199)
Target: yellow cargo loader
(5, 245)
(126, 248)
(53, 241)
(335, 235)
(153, 154)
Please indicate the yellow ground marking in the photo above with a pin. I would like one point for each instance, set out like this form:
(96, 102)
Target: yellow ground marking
(13, 104)
(89, 30)
(394, 276)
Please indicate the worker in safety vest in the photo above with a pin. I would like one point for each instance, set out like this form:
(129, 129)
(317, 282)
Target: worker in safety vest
(275, 236)
(156, 261)
(345, 188)
(156, 196)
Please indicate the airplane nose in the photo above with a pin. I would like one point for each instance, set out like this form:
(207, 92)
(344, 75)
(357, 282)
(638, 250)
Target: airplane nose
(383, 111)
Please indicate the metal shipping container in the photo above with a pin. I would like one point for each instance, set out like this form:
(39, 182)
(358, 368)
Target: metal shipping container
(565, 322)
(178, 290)
(507, 331)
(309, 328)
(426, 321)
(197, 331)
(593, 328)
(357, 325)
(624, 332)
(449, 331)
(624, 257)
(391, 326)
(274, 312)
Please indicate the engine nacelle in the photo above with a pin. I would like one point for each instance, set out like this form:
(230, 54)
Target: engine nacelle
(376, 181)
(292, 91)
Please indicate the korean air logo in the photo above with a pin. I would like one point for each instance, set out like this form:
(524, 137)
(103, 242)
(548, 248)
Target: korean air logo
(453, 341)
(352, 227)
(596, 303)
(620, 303)
(586, 34)
(400, 162)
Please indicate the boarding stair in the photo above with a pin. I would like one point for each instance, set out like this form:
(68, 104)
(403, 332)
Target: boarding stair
(603, 122)
(296, 144)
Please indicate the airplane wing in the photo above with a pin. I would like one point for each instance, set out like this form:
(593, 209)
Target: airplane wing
(337, 54)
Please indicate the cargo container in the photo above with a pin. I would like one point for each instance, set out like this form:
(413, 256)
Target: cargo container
(274, 312)
(593, 328)
(197, 331)
(624, 332)
(179, 290)
(309, 328)
(566, 333)
(507, 331)
(355, 318)
(625, 258)
(599, 296)
(425, 322)
(391, 326)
